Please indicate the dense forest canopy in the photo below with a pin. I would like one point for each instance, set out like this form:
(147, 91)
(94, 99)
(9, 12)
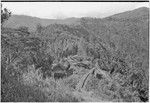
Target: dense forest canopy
(99, 59)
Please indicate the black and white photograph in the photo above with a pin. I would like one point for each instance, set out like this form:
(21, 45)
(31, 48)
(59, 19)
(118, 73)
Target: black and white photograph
(74, 51)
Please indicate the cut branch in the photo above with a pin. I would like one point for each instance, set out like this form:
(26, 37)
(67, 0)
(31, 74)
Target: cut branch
(84, 79)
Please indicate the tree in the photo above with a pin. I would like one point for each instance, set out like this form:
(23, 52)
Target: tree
(39, 28)
(5, 14)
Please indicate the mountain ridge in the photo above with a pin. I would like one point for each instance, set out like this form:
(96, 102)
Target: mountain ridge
(15, 21)
(132, 13)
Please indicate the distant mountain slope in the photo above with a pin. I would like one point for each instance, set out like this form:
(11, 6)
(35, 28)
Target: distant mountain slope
(142, 12)
(132, 25)
(16, 21)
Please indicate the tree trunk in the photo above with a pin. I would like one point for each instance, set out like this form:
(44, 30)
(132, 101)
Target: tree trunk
(84, 79)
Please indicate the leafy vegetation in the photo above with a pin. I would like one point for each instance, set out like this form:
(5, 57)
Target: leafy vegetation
(5, 14)
(96, 60)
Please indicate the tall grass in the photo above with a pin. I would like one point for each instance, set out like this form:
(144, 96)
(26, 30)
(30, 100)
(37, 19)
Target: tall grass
(55, 90)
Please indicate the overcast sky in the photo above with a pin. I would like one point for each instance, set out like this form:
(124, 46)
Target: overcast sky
(60, 10)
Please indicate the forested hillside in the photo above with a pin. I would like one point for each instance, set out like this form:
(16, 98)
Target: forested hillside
(15, 21)
(92, 60)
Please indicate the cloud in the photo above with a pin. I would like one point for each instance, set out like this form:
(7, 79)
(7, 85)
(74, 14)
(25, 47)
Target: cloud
(58, 15)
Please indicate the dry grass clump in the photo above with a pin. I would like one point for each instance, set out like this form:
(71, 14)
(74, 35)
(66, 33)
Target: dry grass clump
(72, 82)
(32, 76)
(14, 91)
(102, 88)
